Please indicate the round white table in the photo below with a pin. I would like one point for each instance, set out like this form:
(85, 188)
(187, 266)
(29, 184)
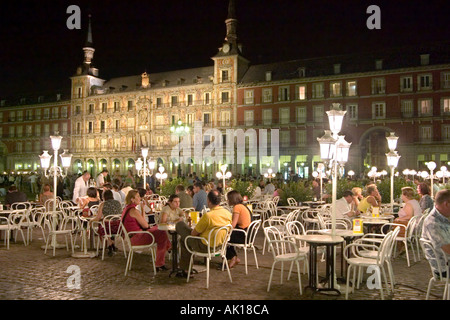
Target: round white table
(84, 253)
(329, 242)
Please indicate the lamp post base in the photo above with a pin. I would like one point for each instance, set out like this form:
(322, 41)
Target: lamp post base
(84, 255)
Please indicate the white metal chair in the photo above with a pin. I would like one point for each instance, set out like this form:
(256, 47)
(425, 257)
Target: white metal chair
(60, 225)
(106, 224)
(373, 254)
(5, 225)
(359, 261)
(214, 249)
(284, 249)
(17, 219)
(408, 237)
(417, 233)
(249, 241)
(134, 248)
(443, 274)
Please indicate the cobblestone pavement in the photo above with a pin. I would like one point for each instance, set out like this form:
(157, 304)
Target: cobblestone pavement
(29, 274)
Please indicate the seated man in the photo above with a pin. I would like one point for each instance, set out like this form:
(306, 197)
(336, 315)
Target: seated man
(344, 206)
(217, 217)
(436, 228)
(14, 195)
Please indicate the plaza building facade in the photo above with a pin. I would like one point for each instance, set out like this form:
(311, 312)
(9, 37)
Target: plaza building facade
(252, 117)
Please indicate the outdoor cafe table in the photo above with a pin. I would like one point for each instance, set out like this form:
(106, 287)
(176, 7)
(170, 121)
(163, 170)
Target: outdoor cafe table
(84, 251)
(170, 228)
(348, 236)
(314, 241)
(313, 204)
(373, 225)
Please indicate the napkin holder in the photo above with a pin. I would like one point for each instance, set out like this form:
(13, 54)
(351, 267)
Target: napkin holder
(357, 226)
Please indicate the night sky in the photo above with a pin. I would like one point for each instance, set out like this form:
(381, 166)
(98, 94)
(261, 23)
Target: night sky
(39, 53)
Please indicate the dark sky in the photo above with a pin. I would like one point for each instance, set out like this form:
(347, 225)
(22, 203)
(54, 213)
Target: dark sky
(39, 53)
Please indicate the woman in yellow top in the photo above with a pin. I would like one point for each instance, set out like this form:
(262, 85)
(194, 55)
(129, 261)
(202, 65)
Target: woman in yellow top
(373, 199)
(241, 220)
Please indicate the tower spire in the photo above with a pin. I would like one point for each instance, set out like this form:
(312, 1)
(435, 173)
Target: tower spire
(231, 23)
(89, 46)
(89, 42)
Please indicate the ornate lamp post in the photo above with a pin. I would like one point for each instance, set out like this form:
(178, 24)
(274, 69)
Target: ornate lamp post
(392, 160)
(179, 129)
(55, 171)
(335, 149)
(223, 174)
(161, 175)
(431, 166)
(269, 174)
(144, 171)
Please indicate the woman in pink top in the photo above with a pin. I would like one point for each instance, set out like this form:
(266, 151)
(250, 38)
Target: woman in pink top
(133, 220)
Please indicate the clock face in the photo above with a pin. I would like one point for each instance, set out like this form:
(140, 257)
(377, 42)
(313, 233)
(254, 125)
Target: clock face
(226, 48)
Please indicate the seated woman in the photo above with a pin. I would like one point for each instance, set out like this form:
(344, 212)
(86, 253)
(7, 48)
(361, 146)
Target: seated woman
(426, 202)
(92, 198)
(409, 210)
(357, 197)
(373, 199)
(46, 194)
(171, 212)
(108, 207)
(133, 220)
(241, 219)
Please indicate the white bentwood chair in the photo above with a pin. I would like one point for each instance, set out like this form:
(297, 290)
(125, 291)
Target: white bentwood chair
(428, 247)
(215, 249)
(249, 241)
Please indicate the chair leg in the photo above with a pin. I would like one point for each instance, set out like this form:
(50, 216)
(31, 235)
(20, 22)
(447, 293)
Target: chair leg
(256, 259)
(228, 268)
(207, 273)
(271, 275)
(348, 281)
(299, 277)
(430, 284)
(245, 259)
(407, 253)
(191, 262)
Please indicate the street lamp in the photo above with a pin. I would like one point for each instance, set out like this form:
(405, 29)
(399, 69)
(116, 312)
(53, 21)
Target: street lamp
(55, 171)
(392, 161)
(223, 174)
(161, 175)
(269, 174)
(335, 149)
(431, 166)
(144, 171)
(180, 130)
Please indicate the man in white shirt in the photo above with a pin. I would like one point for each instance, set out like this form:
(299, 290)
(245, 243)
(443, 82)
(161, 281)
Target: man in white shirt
(81, 186)
(344, 206)
(100, 181)
(118, 194)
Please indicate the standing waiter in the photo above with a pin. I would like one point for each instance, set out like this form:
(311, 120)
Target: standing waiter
(81, 186)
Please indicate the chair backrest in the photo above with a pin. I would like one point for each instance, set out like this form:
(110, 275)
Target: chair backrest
(277, 243)
(292, 202)
(252, 231)
(296, 228)
(275, 200)
(385, 246)
(214, 237)
(293, 215)
(431, 253)
(21, 206)
(390, 248)
(108, 221)
(16, 217)
(410, 227)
